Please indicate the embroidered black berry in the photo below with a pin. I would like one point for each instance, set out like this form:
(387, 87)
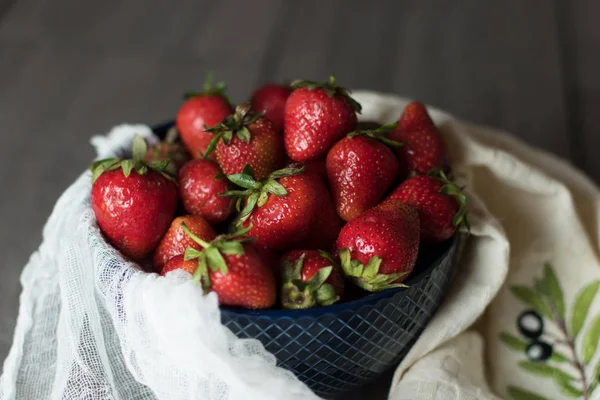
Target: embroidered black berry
(539, 351)
(530, 324)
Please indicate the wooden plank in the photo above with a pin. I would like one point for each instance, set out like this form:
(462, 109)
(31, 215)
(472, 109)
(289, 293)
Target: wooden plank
(580, 36)
(495, 63)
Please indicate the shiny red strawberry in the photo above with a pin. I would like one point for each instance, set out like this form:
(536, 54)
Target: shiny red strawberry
(179, 262)
(361, 168)
(176, 241)
(281, 209)
(424, 147)
(316, 116)
(326, 224)
(378, 249)
(247, 138)
(134, 202)
(317, 167)
(232, 269)
(269, 257)
(310, 278)
(271, 99)
(440, 203)
(206, 108)
(201, 183)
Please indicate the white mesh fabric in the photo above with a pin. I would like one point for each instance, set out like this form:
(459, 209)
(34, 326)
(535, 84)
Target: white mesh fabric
(94, 326)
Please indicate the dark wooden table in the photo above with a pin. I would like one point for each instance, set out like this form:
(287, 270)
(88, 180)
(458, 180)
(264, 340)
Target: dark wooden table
(70, 69)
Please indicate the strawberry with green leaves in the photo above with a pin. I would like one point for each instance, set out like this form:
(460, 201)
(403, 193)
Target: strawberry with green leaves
(281, 209)
(424, 147)
(247, 138)
(134, 201)
(169, 150)
(441, 205)
(201, 183)
(176, 241)
(230, 267)
(271, 99)
(310, 278)
(379, 248)
(316, 116)
(361, 168)
(201, 109)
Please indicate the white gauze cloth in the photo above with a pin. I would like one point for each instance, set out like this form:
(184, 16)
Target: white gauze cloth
(94, 326)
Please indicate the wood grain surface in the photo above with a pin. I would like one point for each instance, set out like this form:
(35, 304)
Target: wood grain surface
(70, 69)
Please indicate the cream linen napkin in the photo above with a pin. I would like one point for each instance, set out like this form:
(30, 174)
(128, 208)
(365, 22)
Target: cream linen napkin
(522, 319)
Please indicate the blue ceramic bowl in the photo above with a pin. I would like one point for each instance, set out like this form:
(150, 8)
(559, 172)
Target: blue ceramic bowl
(337, 348)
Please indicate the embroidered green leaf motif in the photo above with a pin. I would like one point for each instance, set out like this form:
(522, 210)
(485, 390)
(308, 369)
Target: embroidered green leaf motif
(551, 288)
(533, 299)
(559, 357)
(590, 340)
(567, 388)
(545, 370)
(513, 342)
(581, 307)
(519, 345)
(595, 378)
(521, 394)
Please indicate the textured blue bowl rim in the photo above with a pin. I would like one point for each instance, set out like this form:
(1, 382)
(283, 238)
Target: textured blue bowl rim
(161, 129)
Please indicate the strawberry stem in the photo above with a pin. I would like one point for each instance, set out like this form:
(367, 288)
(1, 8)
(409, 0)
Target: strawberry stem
(236, 124)
(257, 193)
(209, 88)
(450, 188)
(137, 163)
(380, 134)
(330, 87)
(195, 238)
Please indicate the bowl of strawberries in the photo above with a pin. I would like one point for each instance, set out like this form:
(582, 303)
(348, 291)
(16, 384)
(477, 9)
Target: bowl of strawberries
(330, 241)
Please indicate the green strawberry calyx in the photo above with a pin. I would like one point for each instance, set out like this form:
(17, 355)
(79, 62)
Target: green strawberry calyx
(330, 87)
(297, 294)
(451, 189)
(137, 163)
(236, 124)
(380, 134)
(256, 193)
(211, 255)
(210, 88)
(368, 276)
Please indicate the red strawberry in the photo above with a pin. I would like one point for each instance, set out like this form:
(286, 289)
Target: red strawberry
(281, 209)
(440, 204)
(317, 167)
(271, 99)
(326, 224)
(361, 168)
(424, 147)
(316, 116)
(176, 240)
(230, 268)
(310, 278)
(247, 138)
(179, 262)
(200, 184)
(134, 201)
(206, 108)
(175, 152)
(269, 257)
(378, 249)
